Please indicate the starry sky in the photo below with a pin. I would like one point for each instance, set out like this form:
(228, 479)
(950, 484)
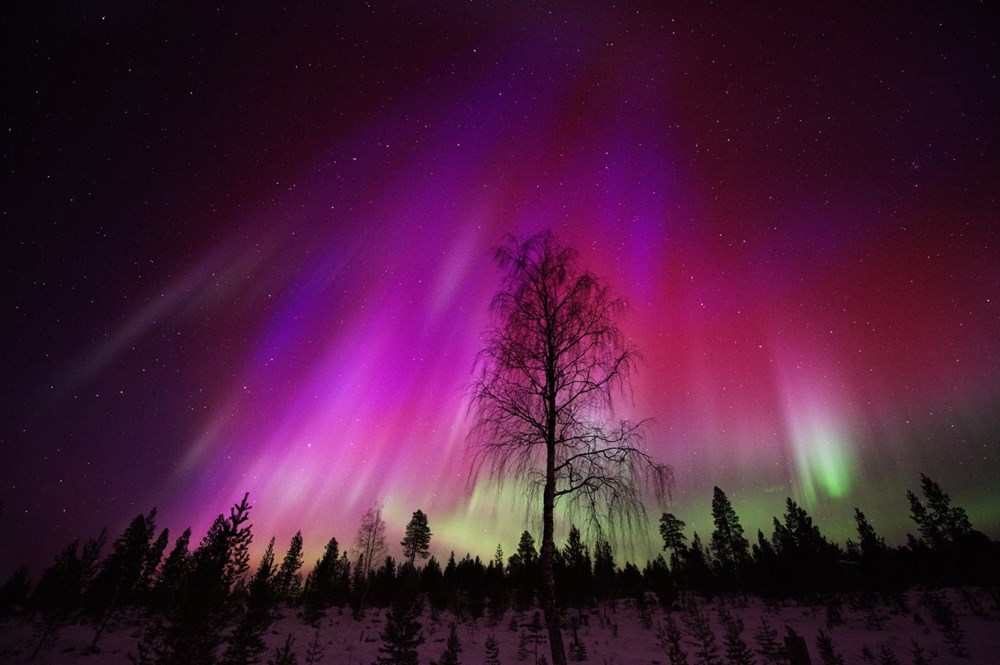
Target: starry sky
(251, 250)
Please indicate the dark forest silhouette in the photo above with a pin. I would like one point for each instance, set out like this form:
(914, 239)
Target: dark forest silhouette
(207, 605)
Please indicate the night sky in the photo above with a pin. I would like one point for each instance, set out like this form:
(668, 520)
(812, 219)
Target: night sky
(252, 251)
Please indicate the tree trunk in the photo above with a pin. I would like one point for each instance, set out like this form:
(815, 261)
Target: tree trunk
(548, 554)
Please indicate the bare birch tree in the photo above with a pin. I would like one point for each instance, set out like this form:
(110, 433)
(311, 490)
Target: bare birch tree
(370, 542)
(545, 379)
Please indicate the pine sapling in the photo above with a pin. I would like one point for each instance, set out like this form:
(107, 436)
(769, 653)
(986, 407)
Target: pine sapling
(920, 657)
(492, 650)
(698, 624)
(453, 647)
(766, 639)
(314, 652)
(737, 650)
(827, 654)
(284, 655)
(522, 647)
(944, 618)
(671, 641)
(886, 656)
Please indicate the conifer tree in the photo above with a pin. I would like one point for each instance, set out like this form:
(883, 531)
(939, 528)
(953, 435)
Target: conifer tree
(416, 543)
(671, 641)
(731, 549)
(314, 652)
(60, 590)
(492, 650)
(174, 572)
(737, 650)
(827, 654)
(284, 655)
(579, 570)
(699, 627)
(452, 650)
(604, 570)
(246, 644)
(672, 532)
(209, 596)
(524, 571)
(402, 633)
(939, 524)
(766, 639)
(115, 584)
(15, 592)
(288, 579)
(870, 543)
(320, 587)
(151, 566)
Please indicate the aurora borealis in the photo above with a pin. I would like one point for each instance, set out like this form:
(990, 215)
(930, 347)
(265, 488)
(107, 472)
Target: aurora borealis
(251, 251)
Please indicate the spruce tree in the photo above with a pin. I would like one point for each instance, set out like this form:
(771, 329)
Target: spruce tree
(173, 574)
(246, 644)
(699, 627)
(939, 524)
(209, 596)
(321, 583)
(288, 580)
(827, 654)
(737, 651)
(768, 646)
(671, 641)
(402, 632)
(731, 549)
(453, 647)
(314, 652)
(416, 543)
(60, 590)
(15, 592)
(579, 570)
(605, 576)
(672, 532)
(115, 584)
(492, 650)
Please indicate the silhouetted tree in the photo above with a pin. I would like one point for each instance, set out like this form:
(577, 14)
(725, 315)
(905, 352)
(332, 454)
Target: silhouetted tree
(550, 365)
(658, 579)
(579, 577)
(731, 549)
(150, 568)
(60, 590)
(736, 648)
(605, 571)
(174, 572)
(452, 649)
(208, 598)
(523, 566)
(246, 644)
(492, 650)
(284, 655)
(417, 541)
(402, 632)
(672, 532)
(940, 525)
(120, 573)
(370, 541)
(288, 579)
(809, 560)
(320, 586)
(15, 592)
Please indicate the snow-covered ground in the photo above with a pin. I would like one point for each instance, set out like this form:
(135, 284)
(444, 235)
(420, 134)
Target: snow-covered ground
(612, 634)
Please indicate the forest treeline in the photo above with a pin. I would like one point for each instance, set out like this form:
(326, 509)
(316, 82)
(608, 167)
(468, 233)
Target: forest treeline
(200, 603)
